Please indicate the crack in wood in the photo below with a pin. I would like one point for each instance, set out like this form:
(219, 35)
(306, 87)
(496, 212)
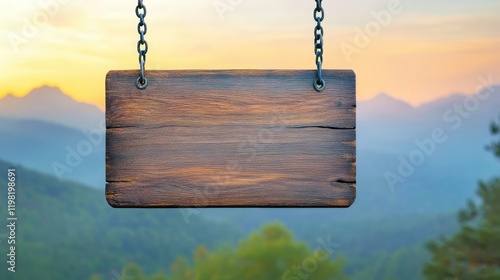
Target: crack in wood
(121, 126)
(261, 138)
(146, 126)
(345, 181)
(323, 126)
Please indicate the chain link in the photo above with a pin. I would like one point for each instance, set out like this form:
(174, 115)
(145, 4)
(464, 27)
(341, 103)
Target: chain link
(319, 14)
(142, 44)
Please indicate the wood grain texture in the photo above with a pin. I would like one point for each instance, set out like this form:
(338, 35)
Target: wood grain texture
(260, 138)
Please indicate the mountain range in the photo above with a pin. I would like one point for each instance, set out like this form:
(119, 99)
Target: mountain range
(381, 234)
(45, 130)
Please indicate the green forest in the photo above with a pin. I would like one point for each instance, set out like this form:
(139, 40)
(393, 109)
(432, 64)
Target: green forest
(271, 253)
(67, 231)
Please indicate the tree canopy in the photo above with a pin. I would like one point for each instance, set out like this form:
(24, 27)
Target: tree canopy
(473, 252)
(269, 254)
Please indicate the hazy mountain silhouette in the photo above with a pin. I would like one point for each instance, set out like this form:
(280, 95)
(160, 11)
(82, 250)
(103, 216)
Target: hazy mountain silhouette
(387, 129)
(50, 104)
(383, 106)
(54, 149)
(382, 219)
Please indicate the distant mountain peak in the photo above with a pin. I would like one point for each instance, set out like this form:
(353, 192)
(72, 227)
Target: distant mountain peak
(386, 99)
(48, 92)
(384, 106)
(50, 104)
(46, 87)
(9, 96)
(444, 103)
(383, 95)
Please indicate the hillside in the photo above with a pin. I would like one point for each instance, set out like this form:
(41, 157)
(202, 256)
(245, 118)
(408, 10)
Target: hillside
(387, 129)
(70, 230)
(67, 231)
(54, 149)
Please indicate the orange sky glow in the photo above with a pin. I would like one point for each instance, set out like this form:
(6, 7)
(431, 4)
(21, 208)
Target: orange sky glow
(416, 51)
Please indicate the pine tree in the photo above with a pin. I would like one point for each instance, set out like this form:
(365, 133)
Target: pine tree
(474, 252)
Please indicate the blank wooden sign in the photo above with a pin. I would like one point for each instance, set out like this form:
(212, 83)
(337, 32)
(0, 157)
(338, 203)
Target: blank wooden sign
(230, 138)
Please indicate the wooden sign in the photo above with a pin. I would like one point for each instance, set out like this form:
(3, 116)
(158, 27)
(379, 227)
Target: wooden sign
(230, 138)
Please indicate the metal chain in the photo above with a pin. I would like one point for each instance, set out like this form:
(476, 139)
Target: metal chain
(142, 45)
(319, 14)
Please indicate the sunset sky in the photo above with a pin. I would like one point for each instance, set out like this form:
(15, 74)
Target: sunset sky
(426, 50)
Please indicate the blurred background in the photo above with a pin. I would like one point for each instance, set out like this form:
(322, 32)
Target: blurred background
(428, 96)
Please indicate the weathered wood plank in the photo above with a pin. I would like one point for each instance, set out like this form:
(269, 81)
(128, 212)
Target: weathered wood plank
(230, 138)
